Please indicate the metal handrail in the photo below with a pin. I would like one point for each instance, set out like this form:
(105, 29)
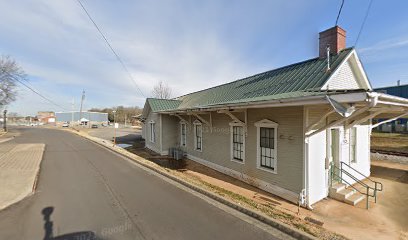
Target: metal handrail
(369, 188)
(366, 177)
(356, 180)
(366, 186)
(358, 190)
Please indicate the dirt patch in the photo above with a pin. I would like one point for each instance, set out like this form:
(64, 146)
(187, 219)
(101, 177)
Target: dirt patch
(392, 174)
(392, 142)
(395, 177)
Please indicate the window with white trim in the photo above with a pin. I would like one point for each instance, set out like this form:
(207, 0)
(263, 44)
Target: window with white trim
(353, 144)
(152, 131)
(267, 145)
(237, 142)
(183, 134)
(198, 136)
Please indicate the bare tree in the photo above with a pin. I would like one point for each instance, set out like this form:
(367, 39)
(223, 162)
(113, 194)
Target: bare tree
(10, 74)
(162, 91)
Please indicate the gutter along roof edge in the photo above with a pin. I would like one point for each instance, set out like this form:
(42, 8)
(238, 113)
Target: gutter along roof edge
(295, 101)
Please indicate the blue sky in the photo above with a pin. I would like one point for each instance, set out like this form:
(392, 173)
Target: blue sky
(190, 45)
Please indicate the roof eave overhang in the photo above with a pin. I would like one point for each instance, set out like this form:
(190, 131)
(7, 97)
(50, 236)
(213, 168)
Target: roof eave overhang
(392, 99)
(356, 97)
(298, 101)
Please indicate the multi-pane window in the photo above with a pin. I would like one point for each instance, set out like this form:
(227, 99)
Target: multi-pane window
(267, 147)
(238, 143)
(267, 132)
(152, 132)
(198, 137)
(353, 143)
(183, 134)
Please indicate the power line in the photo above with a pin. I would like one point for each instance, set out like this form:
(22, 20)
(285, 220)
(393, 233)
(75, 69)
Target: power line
(111, 48)
(39, 94)
(364, 21)
(338, 15)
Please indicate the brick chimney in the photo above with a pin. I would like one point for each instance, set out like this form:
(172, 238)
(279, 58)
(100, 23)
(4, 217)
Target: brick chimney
(335, 38)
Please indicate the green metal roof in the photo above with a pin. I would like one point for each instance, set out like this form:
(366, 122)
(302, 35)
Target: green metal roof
(162, 104)
(296, 80)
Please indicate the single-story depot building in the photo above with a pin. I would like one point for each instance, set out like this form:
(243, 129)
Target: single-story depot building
(279, 130)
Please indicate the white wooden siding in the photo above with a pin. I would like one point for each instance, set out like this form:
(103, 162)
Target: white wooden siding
(343, 79)
(316, 154)
(362, 163)
(317, 172)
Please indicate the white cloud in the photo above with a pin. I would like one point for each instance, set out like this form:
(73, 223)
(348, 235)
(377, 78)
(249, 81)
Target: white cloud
(385, 45)
(186, 45)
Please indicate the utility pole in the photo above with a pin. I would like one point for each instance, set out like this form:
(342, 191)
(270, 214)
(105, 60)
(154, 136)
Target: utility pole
(73, 109)
(82, 102)
(5, 120)
(114, 127)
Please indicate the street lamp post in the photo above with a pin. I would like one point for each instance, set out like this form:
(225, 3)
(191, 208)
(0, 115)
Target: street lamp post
(5, 120)
(114, 127)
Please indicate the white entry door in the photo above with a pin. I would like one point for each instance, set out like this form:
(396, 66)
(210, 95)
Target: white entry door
(335, 146)
(335, 152)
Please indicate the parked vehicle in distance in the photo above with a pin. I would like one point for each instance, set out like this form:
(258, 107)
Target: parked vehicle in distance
(94, 126)
(65, 124)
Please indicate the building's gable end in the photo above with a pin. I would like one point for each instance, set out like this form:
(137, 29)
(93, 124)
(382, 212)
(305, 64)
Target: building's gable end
(349, 75)
(345, 78)
(146, 109)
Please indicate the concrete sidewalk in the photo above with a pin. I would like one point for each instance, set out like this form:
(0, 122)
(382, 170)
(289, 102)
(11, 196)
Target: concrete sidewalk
(19, 166)
(4, 137)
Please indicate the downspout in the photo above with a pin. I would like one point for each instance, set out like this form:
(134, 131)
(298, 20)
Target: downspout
(308, 205)
(304, 195)
(373, 102)
(161, 135)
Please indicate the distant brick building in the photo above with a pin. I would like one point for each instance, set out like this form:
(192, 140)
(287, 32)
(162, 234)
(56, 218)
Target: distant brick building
(46, 117)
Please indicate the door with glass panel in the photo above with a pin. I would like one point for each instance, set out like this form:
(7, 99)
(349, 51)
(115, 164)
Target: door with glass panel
(334, 150)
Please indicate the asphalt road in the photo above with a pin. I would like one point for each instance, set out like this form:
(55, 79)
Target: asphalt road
(87, 192)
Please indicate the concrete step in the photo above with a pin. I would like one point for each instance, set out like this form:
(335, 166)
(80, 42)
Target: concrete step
(337, 187)
(354, 199)
(345, 193)
(348, 195)
(340, 192)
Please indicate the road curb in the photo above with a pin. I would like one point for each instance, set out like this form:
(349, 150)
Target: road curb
(37, 175)
(249, 212)
(4, 139)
